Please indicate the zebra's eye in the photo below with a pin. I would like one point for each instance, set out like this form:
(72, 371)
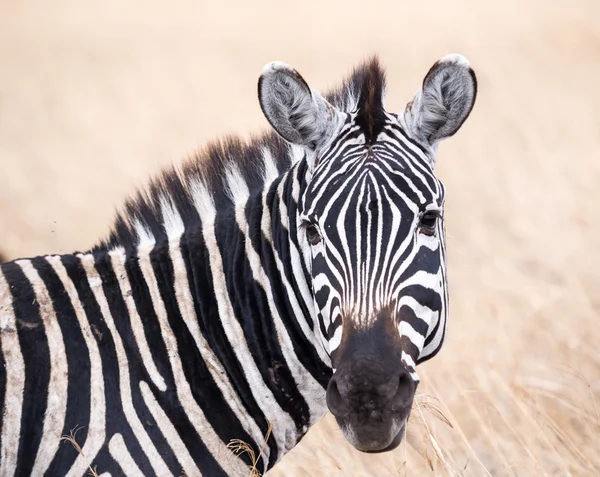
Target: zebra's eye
(428, 222)
(312, 235)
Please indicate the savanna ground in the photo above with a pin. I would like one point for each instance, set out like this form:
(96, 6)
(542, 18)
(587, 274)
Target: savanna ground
(95, 96)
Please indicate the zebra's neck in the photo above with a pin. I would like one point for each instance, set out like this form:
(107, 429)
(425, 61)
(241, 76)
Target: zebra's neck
(263, 294)
(242, 281)
(213, 328)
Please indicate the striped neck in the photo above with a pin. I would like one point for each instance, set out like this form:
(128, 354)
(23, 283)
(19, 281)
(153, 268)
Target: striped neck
(210, 335)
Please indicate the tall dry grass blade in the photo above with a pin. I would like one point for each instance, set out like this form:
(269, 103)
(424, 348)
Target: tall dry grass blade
(434, 443)
(457, 428)
(582, 378)
(525, 406)
(501, 384)
(434, 409)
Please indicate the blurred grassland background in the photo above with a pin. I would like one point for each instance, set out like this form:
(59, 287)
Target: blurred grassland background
(96, 96)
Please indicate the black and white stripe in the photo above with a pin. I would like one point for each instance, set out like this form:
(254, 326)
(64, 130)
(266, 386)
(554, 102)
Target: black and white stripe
(207, 316)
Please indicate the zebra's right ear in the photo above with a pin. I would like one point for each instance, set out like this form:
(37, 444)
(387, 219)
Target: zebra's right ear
(298, 114)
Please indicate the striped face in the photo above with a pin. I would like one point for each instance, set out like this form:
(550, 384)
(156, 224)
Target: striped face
(372, 215)
(372, 219)
(372, 229)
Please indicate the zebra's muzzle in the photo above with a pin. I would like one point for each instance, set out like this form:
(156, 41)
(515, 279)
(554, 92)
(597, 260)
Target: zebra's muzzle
(371, 405)
(372, 390)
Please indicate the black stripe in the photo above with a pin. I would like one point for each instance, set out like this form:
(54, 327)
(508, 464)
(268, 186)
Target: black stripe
(425, 260)
(288, 240)
(36, 355)
(197, 261)
(252, 311)
(424, 296)
(3, 387)
(396, 127)
(104, 462)
(137, 370)
(78, 362)
(204, 389)
(429, 339)
(115, 417)
(407, 314)
(303, 348)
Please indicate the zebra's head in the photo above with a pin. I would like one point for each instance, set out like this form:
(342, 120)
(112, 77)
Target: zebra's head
(371, 229)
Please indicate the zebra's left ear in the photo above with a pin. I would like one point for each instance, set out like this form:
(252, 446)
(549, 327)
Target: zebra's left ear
(444, 102)
(299, 114)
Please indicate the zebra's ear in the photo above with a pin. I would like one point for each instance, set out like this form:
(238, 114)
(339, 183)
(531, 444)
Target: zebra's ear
(300, 115)
(444, 102)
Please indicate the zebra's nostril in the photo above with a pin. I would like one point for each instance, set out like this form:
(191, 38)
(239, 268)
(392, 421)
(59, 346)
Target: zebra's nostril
(404, 394)
(335, 402)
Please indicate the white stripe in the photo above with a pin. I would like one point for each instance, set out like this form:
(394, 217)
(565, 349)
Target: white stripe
(145, 237)
(307, 385)
(336, 339)
(15, 382)
(406, 329)
(184, 393)
(137, 428)
(225, 458)
(54, 417)
(349, 295)
(378, 265)
(118, 451)
(172, 221)
(237, 189)
(410, 366)
(117, 260)
(423, 312)
(395, 227)
(270, 171)
(279, 419)
(169, 432)
(96, 427)
(319, 343)
(359, 292)
(298, 273)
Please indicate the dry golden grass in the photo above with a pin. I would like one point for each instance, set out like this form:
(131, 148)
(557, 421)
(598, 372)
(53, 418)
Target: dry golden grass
(239, 447)
(95, 96)
(72, 439)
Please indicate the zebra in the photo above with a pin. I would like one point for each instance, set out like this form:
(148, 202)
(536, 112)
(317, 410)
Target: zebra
(241, 295)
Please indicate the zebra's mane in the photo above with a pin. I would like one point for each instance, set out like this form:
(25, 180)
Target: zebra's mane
(362, 91)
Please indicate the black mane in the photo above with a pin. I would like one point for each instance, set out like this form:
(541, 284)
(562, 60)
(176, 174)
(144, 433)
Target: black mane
(361, 92)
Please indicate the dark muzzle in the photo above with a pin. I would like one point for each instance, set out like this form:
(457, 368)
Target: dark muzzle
(371, 397)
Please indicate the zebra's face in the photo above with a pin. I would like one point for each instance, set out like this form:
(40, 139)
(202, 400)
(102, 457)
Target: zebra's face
(372, 220)
(372, 234)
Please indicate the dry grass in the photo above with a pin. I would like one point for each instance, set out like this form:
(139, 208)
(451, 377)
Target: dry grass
(96, 96)
(71, 439)
(239, 447)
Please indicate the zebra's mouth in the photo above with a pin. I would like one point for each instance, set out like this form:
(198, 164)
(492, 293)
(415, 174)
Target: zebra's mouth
(374, 439)
(395, 442)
